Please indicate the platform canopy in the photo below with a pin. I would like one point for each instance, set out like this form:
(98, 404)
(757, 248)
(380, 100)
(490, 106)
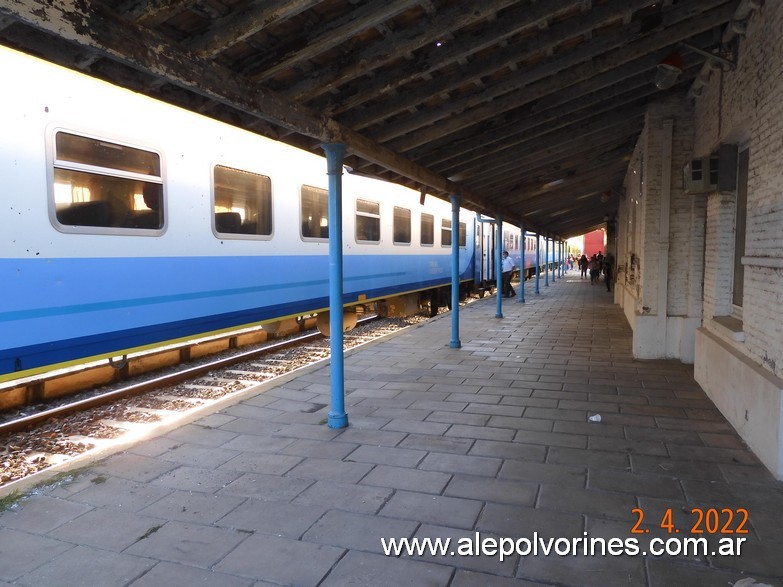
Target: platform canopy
(529, 109)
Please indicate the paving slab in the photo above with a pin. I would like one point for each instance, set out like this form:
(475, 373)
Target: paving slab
(487, 447)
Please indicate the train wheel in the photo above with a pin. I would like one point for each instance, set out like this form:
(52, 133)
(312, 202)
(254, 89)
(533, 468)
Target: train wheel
(432, 307)
(382, 309)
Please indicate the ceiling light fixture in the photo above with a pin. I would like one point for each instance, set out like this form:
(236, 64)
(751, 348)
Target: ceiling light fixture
(668, 71)
(552, 183)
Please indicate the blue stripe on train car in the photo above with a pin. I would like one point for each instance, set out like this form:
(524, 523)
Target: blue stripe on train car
(87, 307)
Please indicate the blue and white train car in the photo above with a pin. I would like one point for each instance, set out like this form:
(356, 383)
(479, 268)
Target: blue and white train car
(522, 252)
(128, 223)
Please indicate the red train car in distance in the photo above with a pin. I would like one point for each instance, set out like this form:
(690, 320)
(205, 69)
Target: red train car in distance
(594, 242)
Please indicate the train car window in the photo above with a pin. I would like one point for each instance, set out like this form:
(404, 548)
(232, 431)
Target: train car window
(427, 229)
(101, 187)
(315, 213)
(368, 221)
(243, 203)
(445, 232)
(402, 226)
(463, 234)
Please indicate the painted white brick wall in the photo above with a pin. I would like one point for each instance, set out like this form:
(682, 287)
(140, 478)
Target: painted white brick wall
(745, 107)
(671, 259)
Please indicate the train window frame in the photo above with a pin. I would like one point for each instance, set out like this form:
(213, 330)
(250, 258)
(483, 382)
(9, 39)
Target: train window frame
(266, 193)
(114, 218)
(462, 235)
(445, 232)
(363, 216)
(323, 206)
(401, 230)
(431, 229)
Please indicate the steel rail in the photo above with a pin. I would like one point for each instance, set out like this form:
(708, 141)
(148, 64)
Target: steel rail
(33, 420)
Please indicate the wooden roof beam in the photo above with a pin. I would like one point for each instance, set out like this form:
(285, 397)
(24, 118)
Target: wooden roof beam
(412, 38)
(336, 32)
(598, 131)
(238, 26)
(97, 27)
(513, 53)
(151, 12)
(556, 161)
(420, 129)
(486, 148)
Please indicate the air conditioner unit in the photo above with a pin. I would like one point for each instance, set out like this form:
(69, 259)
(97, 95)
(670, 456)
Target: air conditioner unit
(698, 175)
(716, 173)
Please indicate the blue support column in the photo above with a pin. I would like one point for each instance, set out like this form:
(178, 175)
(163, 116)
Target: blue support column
(554, 262)
(562, 266)
(546, 262)
(522, 267)
(334, 160)
(499, 266)
(455, 343)
(538, 262)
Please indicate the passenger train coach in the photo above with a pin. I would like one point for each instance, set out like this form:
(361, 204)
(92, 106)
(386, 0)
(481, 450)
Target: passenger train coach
(128, 223)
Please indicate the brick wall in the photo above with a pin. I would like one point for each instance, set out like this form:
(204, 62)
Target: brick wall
(745, 107)
(682, 265)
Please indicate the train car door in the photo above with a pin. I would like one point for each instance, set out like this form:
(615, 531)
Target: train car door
(478, 252)
(489, 251)
(485, 255)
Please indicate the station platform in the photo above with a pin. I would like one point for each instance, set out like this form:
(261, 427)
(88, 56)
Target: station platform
(490, 443)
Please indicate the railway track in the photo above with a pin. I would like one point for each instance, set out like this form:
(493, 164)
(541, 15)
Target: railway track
(93, 422)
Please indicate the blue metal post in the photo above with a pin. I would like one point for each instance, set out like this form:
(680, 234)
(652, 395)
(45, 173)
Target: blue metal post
(546, 262)
(455, 343)
(334, 160)
(499, 266)
(554, 262)
(538, 262)
(522, 267)
(561, 264)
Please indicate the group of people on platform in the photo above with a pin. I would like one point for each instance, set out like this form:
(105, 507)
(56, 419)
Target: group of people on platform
(596, 265)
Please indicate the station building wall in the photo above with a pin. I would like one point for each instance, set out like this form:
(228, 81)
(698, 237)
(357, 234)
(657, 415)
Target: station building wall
(684, 293)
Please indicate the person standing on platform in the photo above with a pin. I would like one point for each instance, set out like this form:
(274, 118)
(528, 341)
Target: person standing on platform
(583, 265)
(508, 269)
(608, 262)
(595, 270)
